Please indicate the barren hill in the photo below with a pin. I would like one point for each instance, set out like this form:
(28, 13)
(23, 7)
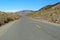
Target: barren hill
(49, 13)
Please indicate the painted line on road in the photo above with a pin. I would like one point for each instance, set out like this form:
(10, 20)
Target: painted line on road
(38, 27)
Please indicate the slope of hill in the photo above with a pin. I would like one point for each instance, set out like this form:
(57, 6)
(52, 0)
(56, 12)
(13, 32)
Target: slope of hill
(24, 11)
(49, 13)
(7, 17)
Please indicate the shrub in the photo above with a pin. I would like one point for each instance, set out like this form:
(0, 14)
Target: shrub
(7, 17)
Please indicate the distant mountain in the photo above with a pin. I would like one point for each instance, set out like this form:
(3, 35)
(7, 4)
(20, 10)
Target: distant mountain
(24, 11)
(49, 13)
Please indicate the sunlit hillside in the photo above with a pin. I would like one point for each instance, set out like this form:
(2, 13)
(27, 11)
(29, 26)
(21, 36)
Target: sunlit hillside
(49, 13)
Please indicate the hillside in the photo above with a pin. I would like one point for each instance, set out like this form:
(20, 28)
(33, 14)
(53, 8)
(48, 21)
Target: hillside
(49, 13)
(7, 17)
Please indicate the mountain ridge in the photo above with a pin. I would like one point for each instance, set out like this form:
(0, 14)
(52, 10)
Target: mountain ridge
(24, 11)
(50, 13)
(49, 6)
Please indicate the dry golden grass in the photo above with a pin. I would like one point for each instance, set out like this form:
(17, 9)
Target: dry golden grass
(7, 17)
(49, 13)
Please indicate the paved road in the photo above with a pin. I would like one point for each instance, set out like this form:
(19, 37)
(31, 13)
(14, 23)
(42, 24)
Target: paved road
(28, 29)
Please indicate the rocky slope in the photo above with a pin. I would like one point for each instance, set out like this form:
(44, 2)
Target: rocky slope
(49, 13)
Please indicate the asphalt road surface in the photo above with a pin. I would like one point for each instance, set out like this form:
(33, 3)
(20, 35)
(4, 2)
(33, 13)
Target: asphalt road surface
(28, 29)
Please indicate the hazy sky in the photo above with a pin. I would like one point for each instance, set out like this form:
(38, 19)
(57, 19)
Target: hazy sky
(15, 5)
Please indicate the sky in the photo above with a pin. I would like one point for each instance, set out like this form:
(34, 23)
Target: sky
(17, 5)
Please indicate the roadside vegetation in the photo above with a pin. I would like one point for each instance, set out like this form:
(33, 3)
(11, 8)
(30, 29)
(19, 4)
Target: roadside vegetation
(50, 13)
(7, 17)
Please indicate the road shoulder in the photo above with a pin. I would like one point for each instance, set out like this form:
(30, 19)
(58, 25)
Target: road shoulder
(46, 22)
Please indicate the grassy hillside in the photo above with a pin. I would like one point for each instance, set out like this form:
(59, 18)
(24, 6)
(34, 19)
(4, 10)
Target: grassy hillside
(49, 13)
(7, 17)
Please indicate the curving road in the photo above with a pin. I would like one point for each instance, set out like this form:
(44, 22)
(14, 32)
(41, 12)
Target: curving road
(28, 29)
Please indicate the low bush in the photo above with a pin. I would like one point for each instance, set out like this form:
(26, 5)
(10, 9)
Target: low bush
(7, 17)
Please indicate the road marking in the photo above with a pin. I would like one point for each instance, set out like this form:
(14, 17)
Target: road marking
(38, 26)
